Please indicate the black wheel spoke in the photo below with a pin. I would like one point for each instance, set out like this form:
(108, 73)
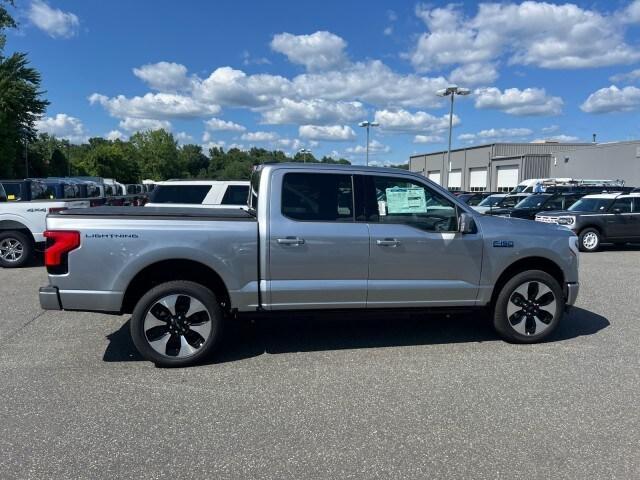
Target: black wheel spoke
(182, 304)
(546, 299)
(544, 316)
(530, 326)
(516, 318)
(193, 338)
(173, 346)
(532, 291)
(518, 299)
(198, 318)
(156, 333)
(160, 312)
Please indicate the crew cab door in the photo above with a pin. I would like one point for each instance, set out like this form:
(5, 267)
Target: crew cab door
(418, 257)
(318, 254)
(620, 221)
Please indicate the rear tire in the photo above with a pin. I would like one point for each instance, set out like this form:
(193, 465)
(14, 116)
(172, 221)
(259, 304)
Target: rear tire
(16, 249)
(176, 324)
(589, 240)
(529, 307)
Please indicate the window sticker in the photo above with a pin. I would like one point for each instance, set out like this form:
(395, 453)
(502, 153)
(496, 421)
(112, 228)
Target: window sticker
(406, 200)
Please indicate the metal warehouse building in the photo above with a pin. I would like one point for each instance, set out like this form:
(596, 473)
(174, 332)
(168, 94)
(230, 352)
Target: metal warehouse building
(501, 166)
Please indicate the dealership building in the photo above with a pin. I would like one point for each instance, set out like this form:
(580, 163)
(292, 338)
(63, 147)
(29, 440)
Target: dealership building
(501, 166)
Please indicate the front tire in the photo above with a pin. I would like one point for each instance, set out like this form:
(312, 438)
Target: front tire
(176, 324)
(16, 249)
(589, 240)
(529, 307)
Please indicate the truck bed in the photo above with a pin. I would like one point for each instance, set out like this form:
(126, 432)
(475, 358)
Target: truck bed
(173, 213)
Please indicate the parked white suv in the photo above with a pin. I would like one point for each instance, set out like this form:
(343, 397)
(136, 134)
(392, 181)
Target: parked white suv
(199, 193)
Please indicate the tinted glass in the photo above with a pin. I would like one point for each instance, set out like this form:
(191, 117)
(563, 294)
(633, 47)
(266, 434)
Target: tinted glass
(510, 201)
(534, 201)
(622, 204)
(40, 191)
(398, 200)
(636, 205)
(317, 197)
(255, 187)
(591, 205)
(236, 195)
(475, 200)
(554, 203)
(192, 194)
(3, 194)
(491, 201)
(13, 191)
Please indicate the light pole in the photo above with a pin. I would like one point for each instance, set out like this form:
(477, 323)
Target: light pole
(452, 91)
(368, 124)
(304, 152)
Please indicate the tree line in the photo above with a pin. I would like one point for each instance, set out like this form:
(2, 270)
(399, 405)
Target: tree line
(153, 154)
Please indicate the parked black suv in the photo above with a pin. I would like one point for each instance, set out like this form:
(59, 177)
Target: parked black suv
(606, 217)
(536, 203)
(473, 198)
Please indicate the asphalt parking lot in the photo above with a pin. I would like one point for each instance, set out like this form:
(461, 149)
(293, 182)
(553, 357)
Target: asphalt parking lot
(309, 397)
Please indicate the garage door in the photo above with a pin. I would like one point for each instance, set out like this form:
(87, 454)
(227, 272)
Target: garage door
(455, 180)
(434, 176)
(507, 178)
(478, 179)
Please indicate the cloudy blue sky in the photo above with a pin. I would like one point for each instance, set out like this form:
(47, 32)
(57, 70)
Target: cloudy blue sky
(294, 74)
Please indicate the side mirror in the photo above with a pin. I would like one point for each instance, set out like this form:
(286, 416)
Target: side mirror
(466, 224)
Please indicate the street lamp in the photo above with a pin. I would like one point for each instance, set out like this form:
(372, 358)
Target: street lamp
(452, 91)
(368, 124)
(304, 152)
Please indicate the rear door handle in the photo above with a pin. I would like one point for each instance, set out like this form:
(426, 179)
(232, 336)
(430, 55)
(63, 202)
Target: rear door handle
(291, 241)
(388, 242)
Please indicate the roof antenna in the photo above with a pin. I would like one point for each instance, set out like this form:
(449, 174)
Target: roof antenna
(594, 138)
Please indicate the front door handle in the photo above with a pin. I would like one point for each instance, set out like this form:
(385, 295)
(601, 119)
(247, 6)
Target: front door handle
(388, 242)
(291, 241)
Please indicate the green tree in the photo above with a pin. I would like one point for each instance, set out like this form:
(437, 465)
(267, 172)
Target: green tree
(157, 155)
(20, 102)
(194, 160)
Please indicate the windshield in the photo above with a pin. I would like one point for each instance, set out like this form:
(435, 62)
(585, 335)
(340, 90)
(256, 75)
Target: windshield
(510, 201)
(591, 205)
(533, 201)
(519, 189)
(41, 191)
(491, 201)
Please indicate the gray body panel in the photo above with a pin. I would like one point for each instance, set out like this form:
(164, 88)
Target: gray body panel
(335, 264)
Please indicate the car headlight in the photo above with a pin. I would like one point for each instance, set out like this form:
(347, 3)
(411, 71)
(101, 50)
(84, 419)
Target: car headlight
(566, 220)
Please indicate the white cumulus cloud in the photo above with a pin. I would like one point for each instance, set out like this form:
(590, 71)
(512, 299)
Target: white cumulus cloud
(527, 102)
(612, 99)
(63, 126)
(219, 125)
(405, 121)
(140, 124)
(53, 21)
(319, 51)
(314, 111)
(163, 76)
(154, 106)
(259, 136)
(336, 133)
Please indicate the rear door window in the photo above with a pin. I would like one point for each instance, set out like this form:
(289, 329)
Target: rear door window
(623, 205)
(192, 194)
(317, 197)
(236, 195)
(14, 191)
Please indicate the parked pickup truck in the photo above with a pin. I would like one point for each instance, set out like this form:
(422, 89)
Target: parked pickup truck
(312, 238)
(22, 224)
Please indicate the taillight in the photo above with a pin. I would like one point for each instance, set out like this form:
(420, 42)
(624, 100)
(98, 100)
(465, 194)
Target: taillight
(57, 209)
(59, 244)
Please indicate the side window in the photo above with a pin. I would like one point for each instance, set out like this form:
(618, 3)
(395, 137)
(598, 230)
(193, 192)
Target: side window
(317, 197)
(14, 192)
(398, 200)
(636, 204)
(622, 204)
(193, 194)
(236, 195)
(555, 203)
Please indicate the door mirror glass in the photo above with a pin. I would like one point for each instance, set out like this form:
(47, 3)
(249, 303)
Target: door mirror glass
(466, 224)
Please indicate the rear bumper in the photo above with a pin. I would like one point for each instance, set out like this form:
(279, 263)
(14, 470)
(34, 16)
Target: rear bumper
(572, 290)
(49, 298)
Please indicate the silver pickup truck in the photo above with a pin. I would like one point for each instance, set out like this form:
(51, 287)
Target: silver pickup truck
(313, 237)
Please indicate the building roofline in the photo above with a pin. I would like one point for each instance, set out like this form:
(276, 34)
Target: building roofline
(472, 147)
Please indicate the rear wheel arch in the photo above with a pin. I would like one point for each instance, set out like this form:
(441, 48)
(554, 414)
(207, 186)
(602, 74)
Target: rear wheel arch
(523, 265)
(13, 225)
(171, 270)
